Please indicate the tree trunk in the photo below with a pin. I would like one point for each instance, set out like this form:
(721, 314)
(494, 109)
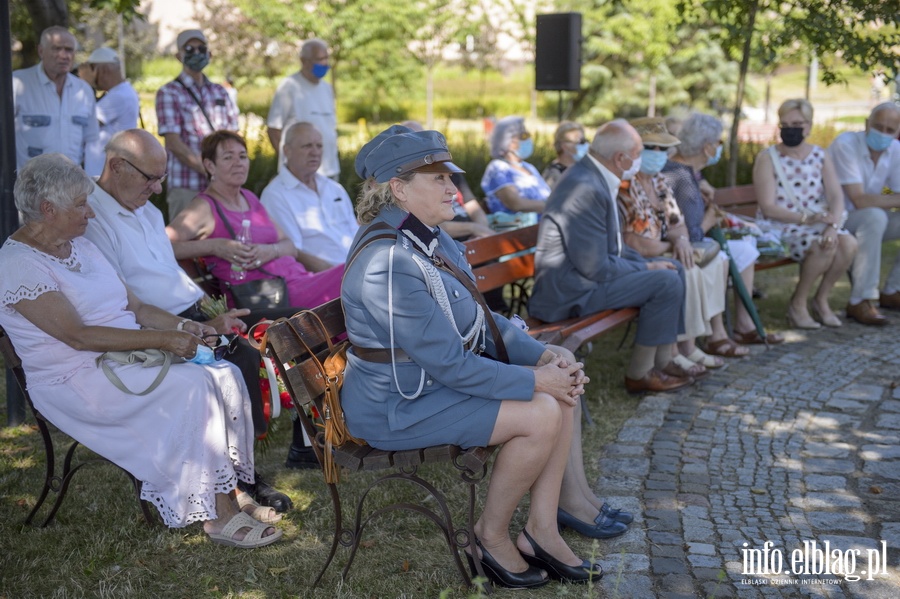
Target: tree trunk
(739, 99)
(768, 97)
(651, 103)
(45, 13)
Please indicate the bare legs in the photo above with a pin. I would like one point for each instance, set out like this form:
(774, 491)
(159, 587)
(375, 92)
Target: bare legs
(536, 436)
(844, 255)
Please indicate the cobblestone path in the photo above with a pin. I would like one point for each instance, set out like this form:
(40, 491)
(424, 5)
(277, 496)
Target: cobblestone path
(796, 446)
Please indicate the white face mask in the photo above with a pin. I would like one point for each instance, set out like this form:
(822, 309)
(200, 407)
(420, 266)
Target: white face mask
(631, 172)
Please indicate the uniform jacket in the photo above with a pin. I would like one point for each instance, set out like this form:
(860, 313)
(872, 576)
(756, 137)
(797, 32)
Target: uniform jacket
(577, 250)
(421, 329)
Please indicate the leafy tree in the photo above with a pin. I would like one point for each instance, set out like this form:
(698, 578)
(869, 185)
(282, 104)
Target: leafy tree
(30, 17)
(862, 33)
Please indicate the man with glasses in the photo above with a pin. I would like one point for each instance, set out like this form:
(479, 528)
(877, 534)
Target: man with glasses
(130, 232)
(187, 110)
(868, 162)
(305, 96)
(53, 109)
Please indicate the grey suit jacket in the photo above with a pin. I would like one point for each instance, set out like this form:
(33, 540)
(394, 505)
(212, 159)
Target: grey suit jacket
(370, 396)
(577, 247)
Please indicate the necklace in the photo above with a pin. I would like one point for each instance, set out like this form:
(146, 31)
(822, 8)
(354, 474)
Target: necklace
(232, 204)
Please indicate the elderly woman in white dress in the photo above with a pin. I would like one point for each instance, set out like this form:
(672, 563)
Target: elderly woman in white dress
(189, 440)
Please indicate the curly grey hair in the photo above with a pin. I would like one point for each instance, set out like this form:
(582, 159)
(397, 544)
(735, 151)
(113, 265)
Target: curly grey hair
(52, 178)
(698, 130)
(376, 196)
(505, 130)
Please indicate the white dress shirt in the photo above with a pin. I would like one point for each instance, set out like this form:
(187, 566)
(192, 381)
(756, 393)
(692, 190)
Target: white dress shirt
(47, 122)
(136, 245)
(853, 164)
(116, 111)
(319, 222)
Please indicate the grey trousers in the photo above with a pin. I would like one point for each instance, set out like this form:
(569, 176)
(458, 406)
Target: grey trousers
(872, 226)
(177, 198)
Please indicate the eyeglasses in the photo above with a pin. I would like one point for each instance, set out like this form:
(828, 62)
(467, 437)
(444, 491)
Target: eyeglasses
(189, 49)
(577, 141)
(148, 178)
(524, 135)
(223, 344)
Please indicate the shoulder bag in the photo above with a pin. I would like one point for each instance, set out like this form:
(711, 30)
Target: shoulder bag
(259, 294)
(148, 358)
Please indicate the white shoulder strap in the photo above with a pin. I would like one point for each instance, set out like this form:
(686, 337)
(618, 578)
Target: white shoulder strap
(780, 176)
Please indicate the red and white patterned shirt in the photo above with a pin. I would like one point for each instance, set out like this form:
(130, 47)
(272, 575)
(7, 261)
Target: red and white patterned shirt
(178, 112)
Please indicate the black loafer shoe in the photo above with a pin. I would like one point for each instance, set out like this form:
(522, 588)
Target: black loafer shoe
(603, 527)
(529, 579)
(266, 495)
(557, 570)
(301, 458)
(614, 513)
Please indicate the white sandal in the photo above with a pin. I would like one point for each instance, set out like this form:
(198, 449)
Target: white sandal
(264, 514)
(698, 356)
(254, 537)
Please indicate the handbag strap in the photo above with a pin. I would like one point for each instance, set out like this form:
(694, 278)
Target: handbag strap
(780, 175)
(197, 100)
(442, 261)
(231, 229)
(115, 380)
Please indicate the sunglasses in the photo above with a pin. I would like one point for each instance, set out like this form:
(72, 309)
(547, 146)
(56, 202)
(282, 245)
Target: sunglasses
(524, 135)
(656, 148)
(577, 141)
(189, 49)
(223, 344)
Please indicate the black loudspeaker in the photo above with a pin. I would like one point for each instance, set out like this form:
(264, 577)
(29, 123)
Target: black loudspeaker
(557, 64)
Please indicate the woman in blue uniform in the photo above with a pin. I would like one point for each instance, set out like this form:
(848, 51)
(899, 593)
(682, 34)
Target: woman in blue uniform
(422, 370)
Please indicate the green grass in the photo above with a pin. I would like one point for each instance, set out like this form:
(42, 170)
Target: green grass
(99, 546)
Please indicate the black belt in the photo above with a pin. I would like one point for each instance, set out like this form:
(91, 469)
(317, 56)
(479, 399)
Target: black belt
(194, 313)
(380, 355)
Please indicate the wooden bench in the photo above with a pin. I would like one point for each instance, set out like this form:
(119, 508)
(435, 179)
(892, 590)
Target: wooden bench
(741, 200)
(53, 481)
(306, 387)
(498, 260)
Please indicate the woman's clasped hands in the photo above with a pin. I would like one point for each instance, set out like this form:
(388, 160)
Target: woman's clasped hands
(556, 376)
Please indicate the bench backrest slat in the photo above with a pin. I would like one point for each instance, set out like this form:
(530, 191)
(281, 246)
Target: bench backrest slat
(740, 200)
(486, 249)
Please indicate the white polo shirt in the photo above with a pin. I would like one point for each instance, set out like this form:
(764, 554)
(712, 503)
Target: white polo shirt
(321, 222)
(298, 99)
(116, 111)
(136, 245)
(853, 164)
(46, 122)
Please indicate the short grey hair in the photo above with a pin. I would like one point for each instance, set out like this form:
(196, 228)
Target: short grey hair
(505, 130)
(884, 107)
(49, 32)
(560, 136)
(52, 178)
(698, 130)
(295, 129)
(308, 46)
(614, 137)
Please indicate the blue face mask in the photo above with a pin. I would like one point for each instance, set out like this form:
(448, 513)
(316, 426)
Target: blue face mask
(204, 355)
(581, 150)
(526, 148)
(319, 70)
(652, 161)
(715, 157)
(878, 141)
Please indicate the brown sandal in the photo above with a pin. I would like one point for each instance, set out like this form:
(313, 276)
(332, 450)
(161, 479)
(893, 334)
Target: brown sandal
(753, 338)
(725, 348)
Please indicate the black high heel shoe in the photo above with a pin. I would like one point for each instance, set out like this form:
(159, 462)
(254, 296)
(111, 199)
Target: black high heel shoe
(558, 570)
(497, 574)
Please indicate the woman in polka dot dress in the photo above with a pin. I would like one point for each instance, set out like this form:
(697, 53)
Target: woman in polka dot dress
(798, 191)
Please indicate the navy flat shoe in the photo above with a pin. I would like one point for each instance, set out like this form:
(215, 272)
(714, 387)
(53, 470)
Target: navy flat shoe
(603, 527)
(558, 570)
(497, 574)
(615, 514)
